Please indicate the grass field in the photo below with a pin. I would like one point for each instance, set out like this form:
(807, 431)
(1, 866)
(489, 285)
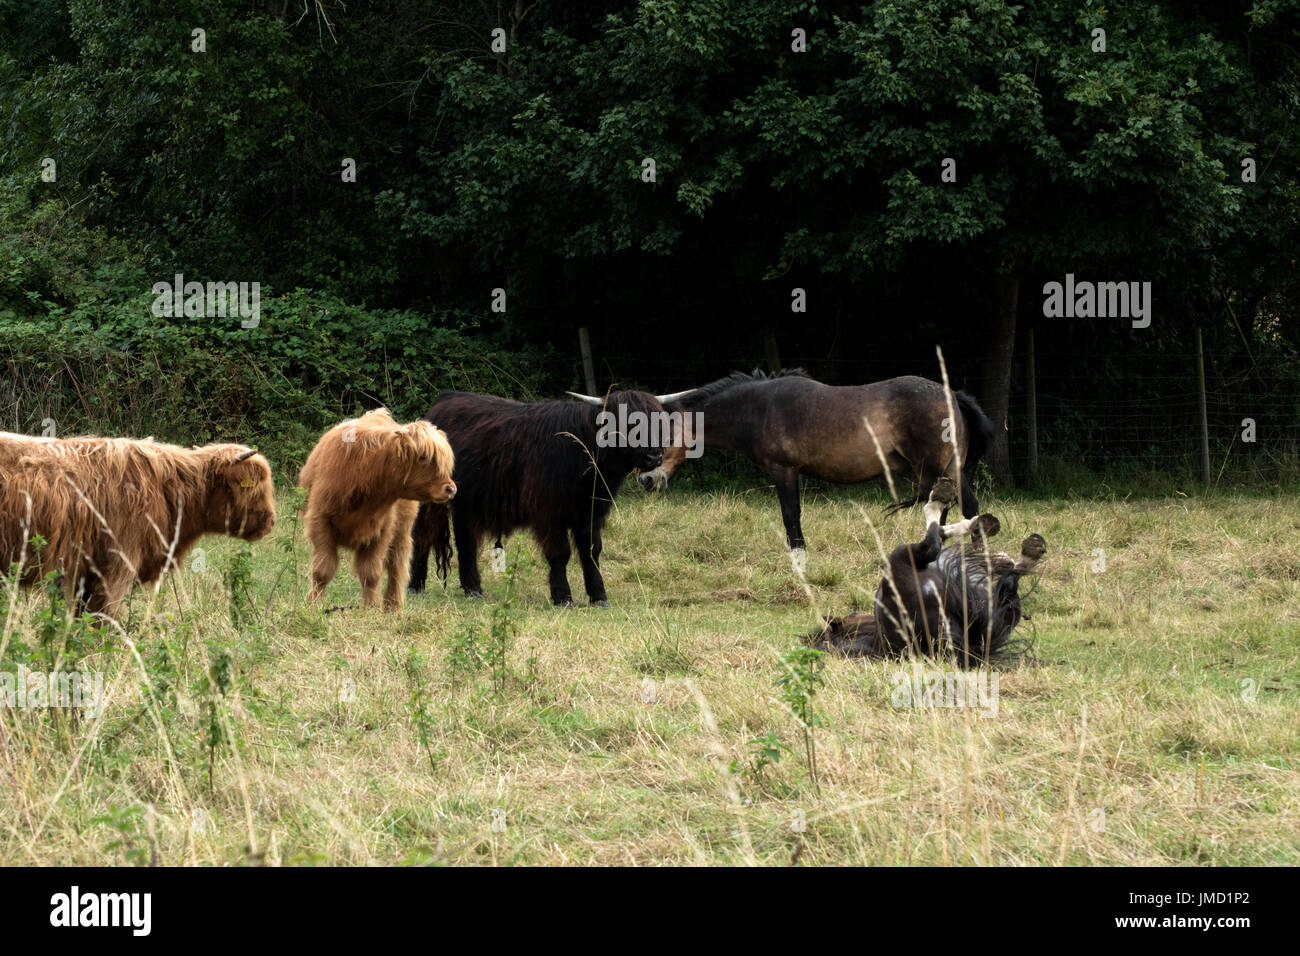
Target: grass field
(1157, 721)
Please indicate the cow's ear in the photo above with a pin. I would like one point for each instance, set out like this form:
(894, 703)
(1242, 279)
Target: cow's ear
(243, 475)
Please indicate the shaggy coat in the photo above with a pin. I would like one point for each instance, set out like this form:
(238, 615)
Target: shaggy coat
(365, 479)
(115, 510)
(530, 465)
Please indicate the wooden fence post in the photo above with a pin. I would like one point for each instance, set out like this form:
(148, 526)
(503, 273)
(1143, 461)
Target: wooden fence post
(588, 367)
(1031, 388)
(1205, 420)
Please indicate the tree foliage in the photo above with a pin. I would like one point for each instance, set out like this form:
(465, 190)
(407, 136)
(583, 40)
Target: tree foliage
(524, 169)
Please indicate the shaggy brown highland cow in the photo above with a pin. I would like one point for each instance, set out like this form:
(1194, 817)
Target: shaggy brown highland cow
(115, 510)
(365, 480)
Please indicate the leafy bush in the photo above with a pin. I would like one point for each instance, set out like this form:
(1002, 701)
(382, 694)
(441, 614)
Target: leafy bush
(80, 345)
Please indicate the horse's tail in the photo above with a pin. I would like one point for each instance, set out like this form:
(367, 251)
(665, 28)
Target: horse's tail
(902, 504)
(979, 430)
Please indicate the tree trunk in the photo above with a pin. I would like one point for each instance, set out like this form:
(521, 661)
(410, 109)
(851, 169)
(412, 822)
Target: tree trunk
(996, 379)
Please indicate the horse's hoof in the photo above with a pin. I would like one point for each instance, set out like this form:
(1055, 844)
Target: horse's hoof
(944, 491)
(986, 526)
(601, 603)
(1033, 547)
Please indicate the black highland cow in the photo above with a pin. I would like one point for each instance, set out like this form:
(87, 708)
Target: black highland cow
(536, 465)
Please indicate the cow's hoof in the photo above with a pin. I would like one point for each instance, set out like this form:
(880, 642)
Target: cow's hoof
(1034, 547)
(415, 590)
(601, 603)
(986, 526)
(562, 602)
(944, 491)
(476, 593)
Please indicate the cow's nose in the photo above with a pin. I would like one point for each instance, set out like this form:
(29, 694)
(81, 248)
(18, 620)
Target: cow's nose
(450, 490)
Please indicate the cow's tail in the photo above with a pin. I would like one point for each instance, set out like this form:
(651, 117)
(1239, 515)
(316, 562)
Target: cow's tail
(440, 521)
(431, 530)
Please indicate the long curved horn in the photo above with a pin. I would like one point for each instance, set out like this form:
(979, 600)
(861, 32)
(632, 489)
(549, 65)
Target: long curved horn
(589, 399)
(245, 455)
(675, 396)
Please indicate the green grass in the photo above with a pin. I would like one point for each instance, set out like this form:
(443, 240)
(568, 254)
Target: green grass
(1157, 722)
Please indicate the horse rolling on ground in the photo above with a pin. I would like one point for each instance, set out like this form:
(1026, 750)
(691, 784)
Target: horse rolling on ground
(790, 425)
(962, 602)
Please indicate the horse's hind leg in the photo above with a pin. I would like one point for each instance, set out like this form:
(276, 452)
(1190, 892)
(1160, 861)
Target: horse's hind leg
(1007, 599)
(787, 492)
(970, 505)
(1031, 551)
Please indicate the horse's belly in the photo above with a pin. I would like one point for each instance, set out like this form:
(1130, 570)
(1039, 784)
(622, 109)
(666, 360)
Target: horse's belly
(848, 475)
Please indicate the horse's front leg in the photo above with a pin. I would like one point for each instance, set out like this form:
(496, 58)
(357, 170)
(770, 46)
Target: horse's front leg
(787, 492)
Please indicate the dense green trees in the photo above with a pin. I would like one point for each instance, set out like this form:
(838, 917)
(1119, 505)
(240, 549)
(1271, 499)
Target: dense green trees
(780, 161)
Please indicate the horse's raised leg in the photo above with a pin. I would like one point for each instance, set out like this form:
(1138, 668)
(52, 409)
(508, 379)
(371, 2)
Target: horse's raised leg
(907, 609)
(941, 494)
(787, 492)
(981, 526)
(945, 490)
(1031, 551)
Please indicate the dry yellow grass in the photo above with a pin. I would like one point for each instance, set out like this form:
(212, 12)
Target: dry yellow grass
(1158, 723)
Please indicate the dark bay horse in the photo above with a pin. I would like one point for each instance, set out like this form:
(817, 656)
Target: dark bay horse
(958, 602)
(790, 425)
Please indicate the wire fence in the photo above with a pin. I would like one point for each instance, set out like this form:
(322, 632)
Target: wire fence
(1151, 418)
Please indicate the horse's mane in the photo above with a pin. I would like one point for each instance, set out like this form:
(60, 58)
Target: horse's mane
(744, 378)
